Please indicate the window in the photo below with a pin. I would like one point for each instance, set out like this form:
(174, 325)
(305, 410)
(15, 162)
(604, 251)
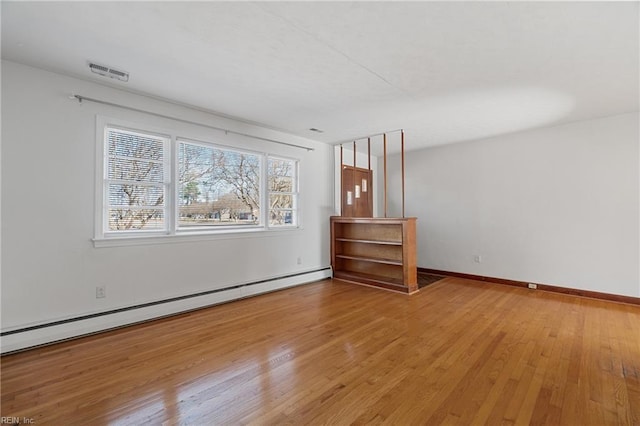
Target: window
(169, 185)
(217, 187)
(135, 183)
(283, 192)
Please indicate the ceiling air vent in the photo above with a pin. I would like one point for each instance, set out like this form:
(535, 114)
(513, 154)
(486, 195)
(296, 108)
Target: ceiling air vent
(109, 72)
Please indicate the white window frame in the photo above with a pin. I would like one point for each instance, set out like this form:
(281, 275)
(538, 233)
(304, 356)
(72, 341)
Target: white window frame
(295, 193)
(172, 233)
(176, 194)
(165, 185)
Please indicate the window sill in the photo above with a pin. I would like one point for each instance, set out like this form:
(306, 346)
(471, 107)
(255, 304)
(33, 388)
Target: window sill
(190, 236)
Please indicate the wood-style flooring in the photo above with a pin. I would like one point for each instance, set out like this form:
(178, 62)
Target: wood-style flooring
(458, 352)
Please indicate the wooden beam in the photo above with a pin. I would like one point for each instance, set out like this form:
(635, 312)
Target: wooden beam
(341, 168)
(384, 153)
(402, 155)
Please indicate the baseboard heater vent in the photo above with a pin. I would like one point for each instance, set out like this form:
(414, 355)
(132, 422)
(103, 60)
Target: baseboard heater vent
(83, 325)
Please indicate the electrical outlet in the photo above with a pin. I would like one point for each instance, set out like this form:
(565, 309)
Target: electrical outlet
(477, 258)
(101, 292)
(532, 286)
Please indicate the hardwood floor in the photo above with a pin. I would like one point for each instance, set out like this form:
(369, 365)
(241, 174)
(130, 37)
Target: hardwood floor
(459, 352)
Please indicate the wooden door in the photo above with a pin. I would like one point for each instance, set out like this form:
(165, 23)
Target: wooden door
(357, 192)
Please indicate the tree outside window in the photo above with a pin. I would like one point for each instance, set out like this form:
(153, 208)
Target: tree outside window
(283, 191)
(215, 186)
(135, 183)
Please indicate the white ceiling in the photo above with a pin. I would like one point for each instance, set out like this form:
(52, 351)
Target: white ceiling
(445, 72)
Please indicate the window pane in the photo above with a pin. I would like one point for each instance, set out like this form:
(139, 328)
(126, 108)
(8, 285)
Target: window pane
(217, 187)
(136, 195)
(281, 175)
(135, 219)
(281, 217)
(135, 157)
(135, 170)
(280, 184)
(134, 145)
(282, 192)
(280, 201)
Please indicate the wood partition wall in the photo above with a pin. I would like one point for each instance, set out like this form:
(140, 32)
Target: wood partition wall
(349, 185)
(377, 251)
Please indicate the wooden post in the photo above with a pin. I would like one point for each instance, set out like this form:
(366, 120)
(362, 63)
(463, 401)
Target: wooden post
(384, 154)
(369, 174)
(341, 168)
(402, 154)
(353, 182)
(354, 168)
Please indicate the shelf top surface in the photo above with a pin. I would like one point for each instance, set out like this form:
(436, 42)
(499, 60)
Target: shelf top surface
(372, 219)
(370, 241)
(371, 259)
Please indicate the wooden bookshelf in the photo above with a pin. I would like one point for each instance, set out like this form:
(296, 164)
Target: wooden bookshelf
(375, 251)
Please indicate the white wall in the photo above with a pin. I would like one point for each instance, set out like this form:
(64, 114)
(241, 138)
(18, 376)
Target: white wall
(556, 206)
(50, 267)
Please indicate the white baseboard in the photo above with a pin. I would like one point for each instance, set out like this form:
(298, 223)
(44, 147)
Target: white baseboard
(35, 336)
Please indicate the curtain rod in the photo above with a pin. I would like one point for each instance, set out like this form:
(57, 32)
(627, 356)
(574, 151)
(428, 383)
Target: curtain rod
(368, 136)
(81, 98)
